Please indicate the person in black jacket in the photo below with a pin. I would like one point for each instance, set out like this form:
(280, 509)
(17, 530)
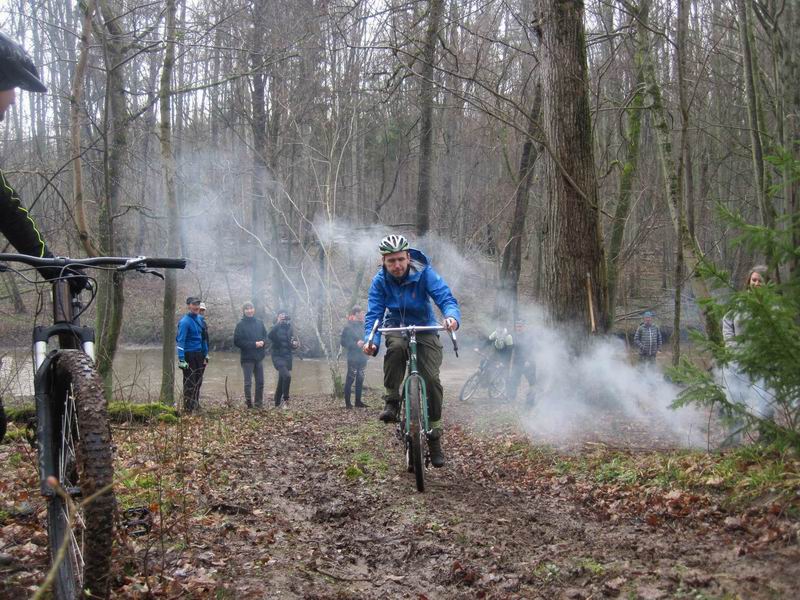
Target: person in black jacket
(250, 336)
(351, 341)
(18, 71)
(283, 344)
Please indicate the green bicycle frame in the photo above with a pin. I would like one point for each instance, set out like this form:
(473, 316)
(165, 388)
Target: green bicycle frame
(414, 373)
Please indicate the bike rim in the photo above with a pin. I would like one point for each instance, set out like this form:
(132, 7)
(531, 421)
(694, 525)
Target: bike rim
(67, 479)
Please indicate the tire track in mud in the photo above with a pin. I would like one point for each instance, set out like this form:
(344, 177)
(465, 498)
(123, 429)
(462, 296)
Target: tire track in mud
(315, 533)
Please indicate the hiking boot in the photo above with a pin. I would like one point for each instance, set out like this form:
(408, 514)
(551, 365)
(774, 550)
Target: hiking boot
(347, 404)
(390, 412)
(360, 404)
(435, 448)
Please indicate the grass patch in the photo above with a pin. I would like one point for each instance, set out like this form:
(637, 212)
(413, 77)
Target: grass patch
(118, 412)
(739, 477)
(360, 450)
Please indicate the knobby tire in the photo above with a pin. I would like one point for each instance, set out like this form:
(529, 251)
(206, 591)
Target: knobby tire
(417, 433)
(81, 446)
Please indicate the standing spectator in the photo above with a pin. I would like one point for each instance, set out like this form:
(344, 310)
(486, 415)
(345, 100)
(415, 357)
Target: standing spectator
(250, 336)
(192, 352)
(522, 363)
(351, 341)
(647, 339)
(754, 395)
(202, 314)
(283, 344)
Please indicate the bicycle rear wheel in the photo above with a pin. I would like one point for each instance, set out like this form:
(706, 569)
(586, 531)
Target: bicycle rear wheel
(471, 386)
(416, 433)
(80, 446)
(497, 385)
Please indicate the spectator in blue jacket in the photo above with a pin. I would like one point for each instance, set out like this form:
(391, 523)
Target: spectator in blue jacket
(400, 295)
(192, 352)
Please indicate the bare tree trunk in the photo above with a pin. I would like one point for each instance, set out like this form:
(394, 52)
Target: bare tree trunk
(260, 170)
(512, 255)
(435, 8)
(110, 293)
(573, 247)
(630, 166)
(75, 131)
(168, 325)
(768, 216)
(672, 182)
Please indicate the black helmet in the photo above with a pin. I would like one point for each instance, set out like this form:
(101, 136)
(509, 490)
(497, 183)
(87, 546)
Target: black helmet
(16, 68)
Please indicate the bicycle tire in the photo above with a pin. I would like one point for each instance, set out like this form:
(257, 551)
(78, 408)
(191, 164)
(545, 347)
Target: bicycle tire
(402, 436)
(497, 385)
(81, 447)
(470, 386)
(416, 433)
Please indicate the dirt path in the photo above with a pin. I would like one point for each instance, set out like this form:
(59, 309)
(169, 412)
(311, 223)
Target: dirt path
(314, 502)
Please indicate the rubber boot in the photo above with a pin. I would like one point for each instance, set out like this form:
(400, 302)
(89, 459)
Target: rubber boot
(435, 448)
(390, 412)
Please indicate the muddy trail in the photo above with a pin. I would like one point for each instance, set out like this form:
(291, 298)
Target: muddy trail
(314, 502)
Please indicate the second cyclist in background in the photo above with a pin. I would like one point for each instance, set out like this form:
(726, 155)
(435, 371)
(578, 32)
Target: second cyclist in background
(400, 295)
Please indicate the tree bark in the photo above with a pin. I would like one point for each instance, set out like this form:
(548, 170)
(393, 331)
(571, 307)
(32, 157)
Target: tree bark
(511, 265)
(110, 293)
(435, 8)
(75, 101)
(168, 325)
(672, 184)
(630, 166)
(573, 245)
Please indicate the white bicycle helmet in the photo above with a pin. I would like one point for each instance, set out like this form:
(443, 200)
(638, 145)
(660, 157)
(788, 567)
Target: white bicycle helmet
(393, 243)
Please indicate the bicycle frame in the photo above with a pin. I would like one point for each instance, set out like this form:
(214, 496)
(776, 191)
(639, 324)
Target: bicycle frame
(412, 371)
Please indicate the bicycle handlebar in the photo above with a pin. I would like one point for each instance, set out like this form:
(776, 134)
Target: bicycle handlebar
(413, 329)
(124, 263)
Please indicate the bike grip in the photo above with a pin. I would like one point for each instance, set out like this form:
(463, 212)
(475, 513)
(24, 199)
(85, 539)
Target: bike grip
(372, 333)
(166, 263)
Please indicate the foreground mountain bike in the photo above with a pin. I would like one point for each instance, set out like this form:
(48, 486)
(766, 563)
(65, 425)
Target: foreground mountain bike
(414, 427)
(73, 435)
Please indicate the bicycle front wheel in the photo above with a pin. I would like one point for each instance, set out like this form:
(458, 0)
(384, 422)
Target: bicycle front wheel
(471, 386)
(416, 433)
(80, 446)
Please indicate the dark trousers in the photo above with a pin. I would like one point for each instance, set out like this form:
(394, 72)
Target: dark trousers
(355, 373)
(284, 367)
(192, 380)
(429, 361)
(250, 369)
(518, 371)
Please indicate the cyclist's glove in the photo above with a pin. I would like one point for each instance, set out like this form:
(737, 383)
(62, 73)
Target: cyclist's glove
(183, 365)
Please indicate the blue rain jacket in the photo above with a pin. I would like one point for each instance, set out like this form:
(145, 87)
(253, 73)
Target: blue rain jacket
(190, 336)
(408, 301)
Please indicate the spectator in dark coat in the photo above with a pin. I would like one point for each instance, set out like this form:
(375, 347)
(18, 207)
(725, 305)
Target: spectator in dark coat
(351, 341)
(250, 336)
(283, 344)
(647, 339)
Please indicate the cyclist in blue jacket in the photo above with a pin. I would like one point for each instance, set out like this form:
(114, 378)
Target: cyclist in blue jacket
(400, 295)
(192, 352)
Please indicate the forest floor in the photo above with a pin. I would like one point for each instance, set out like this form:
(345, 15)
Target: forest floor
(314, 502)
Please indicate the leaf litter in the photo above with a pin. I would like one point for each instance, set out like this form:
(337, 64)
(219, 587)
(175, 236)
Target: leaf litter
(315, 502)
